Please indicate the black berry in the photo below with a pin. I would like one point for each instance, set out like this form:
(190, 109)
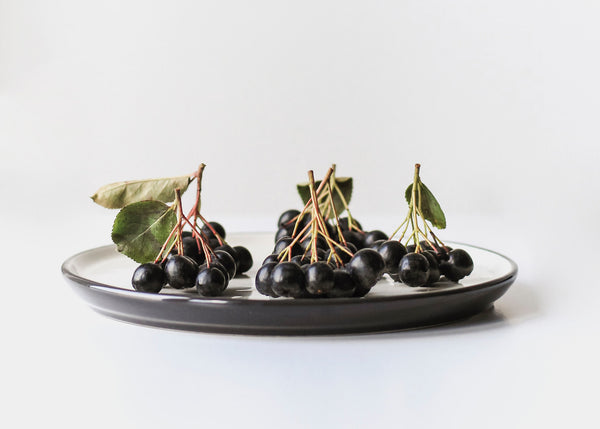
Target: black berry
(244, 259)
(263, 281)
(181, 271)
(287, 279)
(319, 278)
(211, 281)
(458, 265)
(414, 269)
(149, 278)
(366, 266)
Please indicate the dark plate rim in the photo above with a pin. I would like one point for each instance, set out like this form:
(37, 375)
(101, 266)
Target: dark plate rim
(145, 296)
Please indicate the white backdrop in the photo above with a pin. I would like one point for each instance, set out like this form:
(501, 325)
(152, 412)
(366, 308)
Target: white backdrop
(499, 101)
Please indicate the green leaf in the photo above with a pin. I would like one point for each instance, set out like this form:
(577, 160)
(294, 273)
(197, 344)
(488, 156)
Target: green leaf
(343, 183)
(141, 228)
(429, 206)
(120, 194)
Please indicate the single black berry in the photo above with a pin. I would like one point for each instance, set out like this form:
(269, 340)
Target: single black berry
(343, 284)
(211, 281)
(413, 269)
(355, 237)
(376, 244)
(458, 265)
(227, 248)
(181, 271)
(434, 269)
(271, 258)
(284, 242)
(366, 266)
(344, 225)
(244, 259)
(216, 264)
(283, 232)
(190, 248)
(148, 278)
(301, 259)
(286, 218)
(372, 236)
(216, 226)
(319, 278)
(392, 252)
(287, 279)
(225, 259)
(263, 282)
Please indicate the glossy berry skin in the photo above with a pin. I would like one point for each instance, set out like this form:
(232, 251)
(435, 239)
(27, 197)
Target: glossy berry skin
(217, 227)
(286, 218)
(377, 244)
(288, 280)
(271, 258)
(343, 284)
(319, 278)
(354, 237)
(352, 247)
(458, 265)
(148, 278)
(181, 271)
(434, 269)
(190, 248)
(366, 266)
(285, 242)
(225, 259)
(301, 260)
(263, 282)
(372, 236)
(227, 248)
(210, 281)
(283, 232)
(344, 224)
(244, 259)
(413, 269)
(216, 264)
(392, 252)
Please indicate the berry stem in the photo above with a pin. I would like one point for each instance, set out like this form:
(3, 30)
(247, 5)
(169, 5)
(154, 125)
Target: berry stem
(413, 206)
(178, 238)
(196, 207)
(207, 223)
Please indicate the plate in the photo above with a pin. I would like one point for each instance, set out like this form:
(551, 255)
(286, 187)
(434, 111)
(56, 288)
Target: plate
(102, 277)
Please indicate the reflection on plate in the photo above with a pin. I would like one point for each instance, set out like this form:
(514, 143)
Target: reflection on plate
(102, 277)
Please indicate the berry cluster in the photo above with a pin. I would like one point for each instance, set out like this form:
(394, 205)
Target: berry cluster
(206, 262)
(423, 262)
(199, 257)
(319, 255)
(423, 266)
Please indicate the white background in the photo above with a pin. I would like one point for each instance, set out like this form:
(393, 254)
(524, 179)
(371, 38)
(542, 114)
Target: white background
(499, 101)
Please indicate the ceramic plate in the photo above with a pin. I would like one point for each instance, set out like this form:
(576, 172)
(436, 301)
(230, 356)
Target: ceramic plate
(102, 277)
